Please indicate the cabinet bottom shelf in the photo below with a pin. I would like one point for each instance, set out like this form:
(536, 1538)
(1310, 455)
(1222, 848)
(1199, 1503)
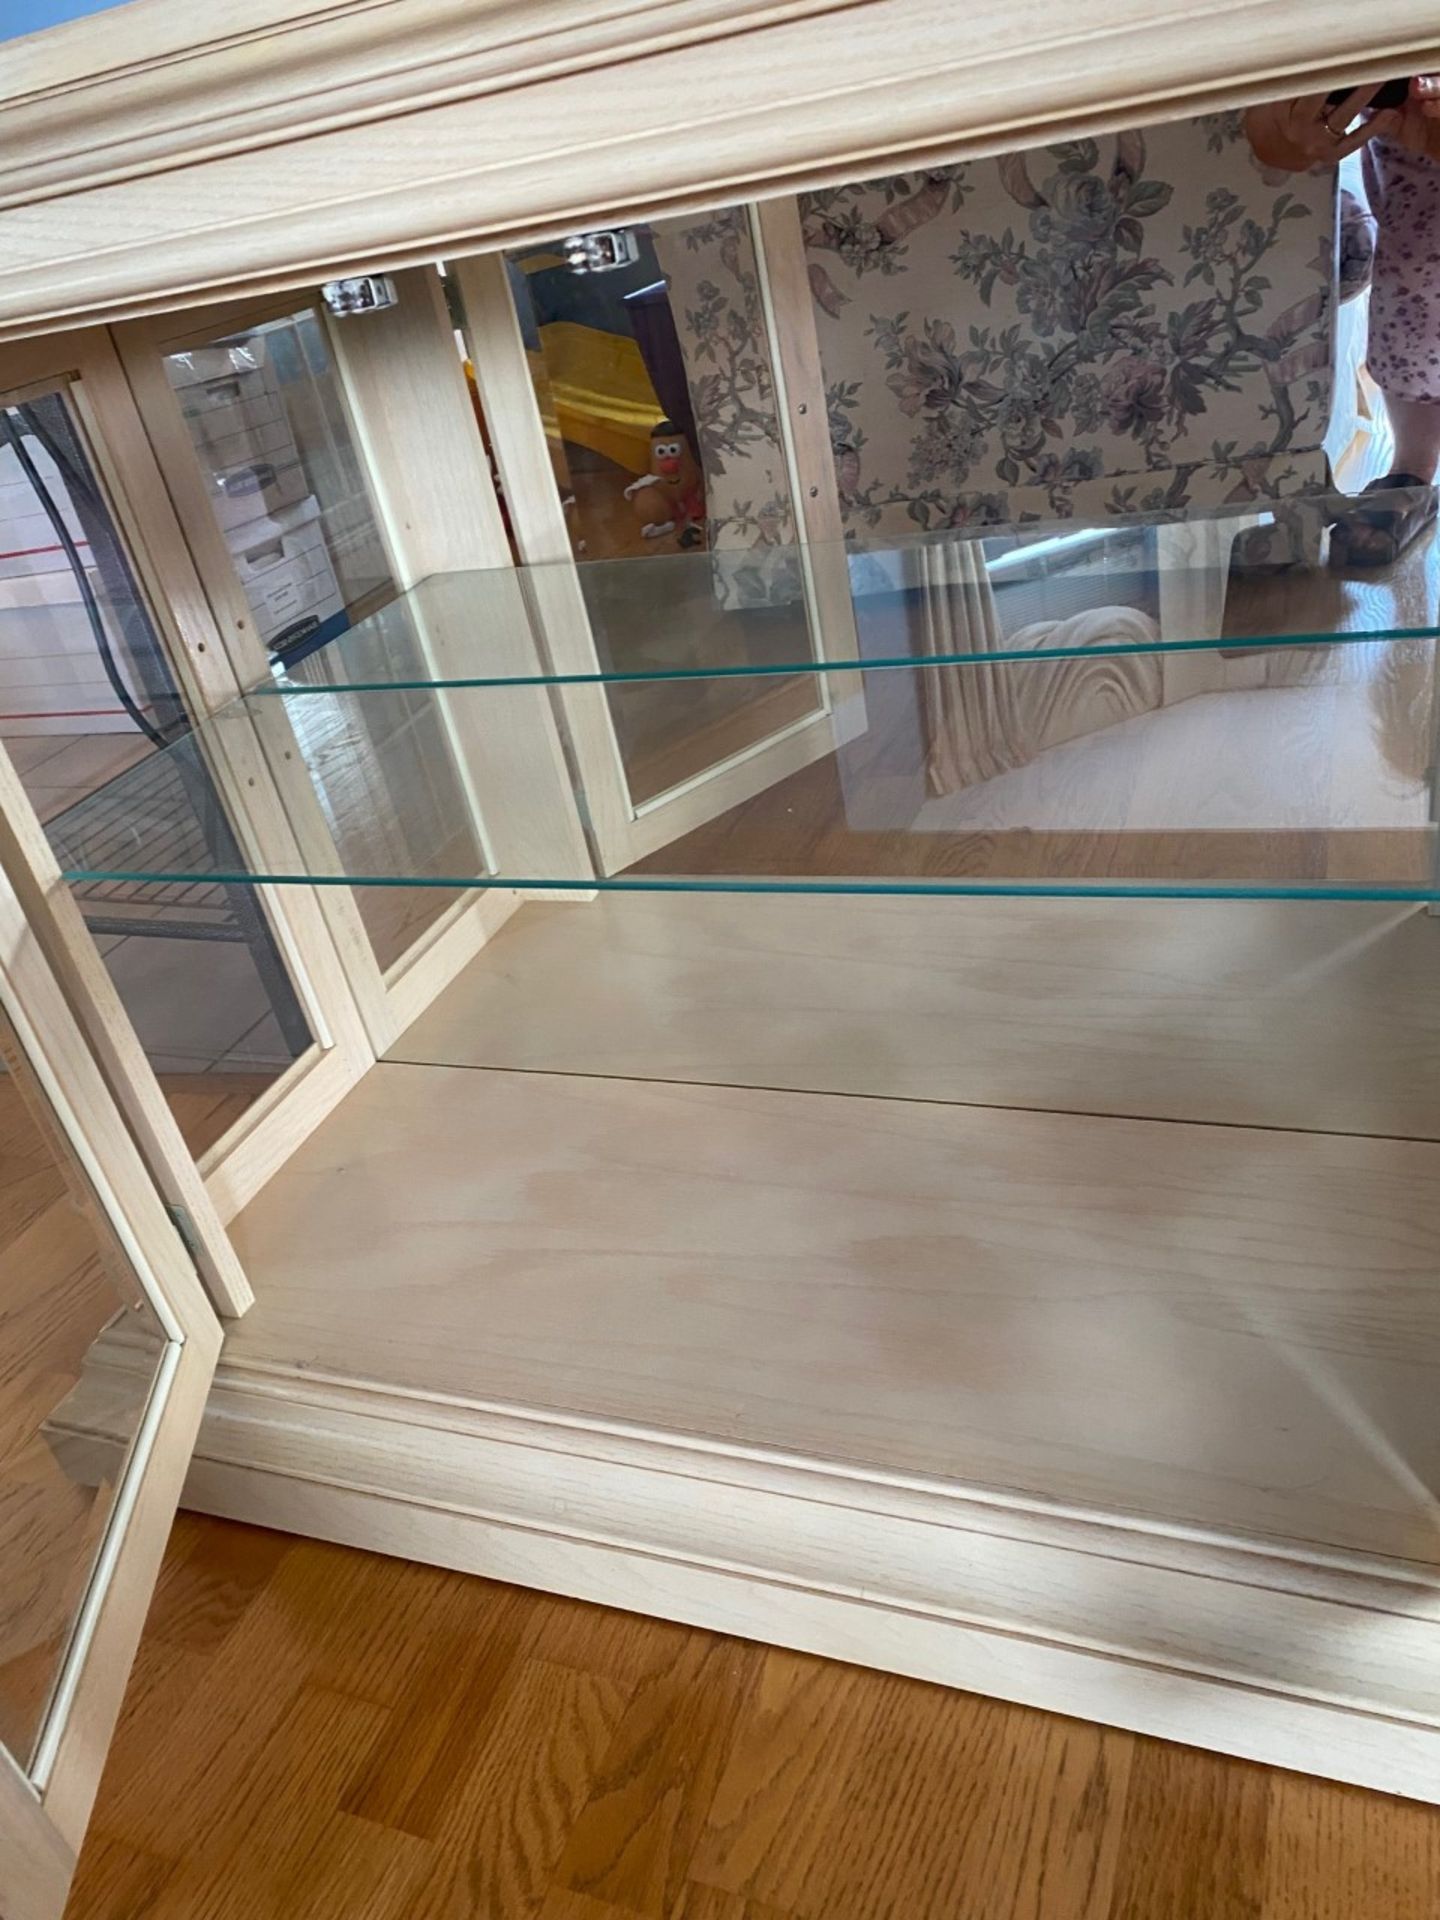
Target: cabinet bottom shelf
(1126, 1417)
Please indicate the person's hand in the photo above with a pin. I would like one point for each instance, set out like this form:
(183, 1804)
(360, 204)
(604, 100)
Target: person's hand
(1419, 120)
(1310, 132)
(1419, 128)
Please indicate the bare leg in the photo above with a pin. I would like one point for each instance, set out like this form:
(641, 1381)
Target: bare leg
(1417, 436)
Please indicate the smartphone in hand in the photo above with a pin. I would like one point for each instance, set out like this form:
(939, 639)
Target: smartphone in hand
(1393, 94)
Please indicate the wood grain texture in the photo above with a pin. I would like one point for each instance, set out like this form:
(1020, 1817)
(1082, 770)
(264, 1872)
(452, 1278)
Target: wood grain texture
(935, 1289)
(516, 770)
(1017, 1819)
(815, 1612)
(255, 61)
(525, 142)
(1317, 775)
(1280, 1014)
(37, 1861)
(619, 1768)
(417, 431)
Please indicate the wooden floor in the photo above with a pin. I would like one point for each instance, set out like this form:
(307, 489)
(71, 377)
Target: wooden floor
(321, 1734)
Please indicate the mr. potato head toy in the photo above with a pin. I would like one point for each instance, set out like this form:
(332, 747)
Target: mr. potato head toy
(670, 498)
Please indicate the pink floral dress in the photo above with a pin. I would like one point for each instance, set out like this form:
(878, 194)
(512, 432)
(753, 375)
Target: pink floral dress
(1404, 347)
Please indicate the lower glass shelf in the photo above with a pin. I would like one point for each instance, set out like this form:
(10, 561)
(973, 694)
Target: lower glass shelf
(1296, 771)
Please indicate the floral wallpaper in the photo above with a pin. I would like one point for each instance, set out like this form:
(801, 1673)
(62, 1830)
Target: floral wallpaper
(1118, 325)
(715, 297)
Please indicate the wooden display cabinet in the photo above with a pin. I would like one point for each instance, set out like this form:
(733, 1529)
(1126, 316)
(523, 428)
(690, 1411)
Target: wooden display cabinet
(1021, 1276)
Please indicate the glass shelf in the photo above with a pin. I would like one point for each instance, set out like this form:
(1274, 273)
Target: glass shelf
(1286, 771)
(1250, 579)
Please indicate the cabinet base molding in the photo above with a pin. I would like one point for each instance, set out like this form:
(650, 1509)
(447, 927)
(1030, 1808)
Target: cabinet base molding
(1324, 1662)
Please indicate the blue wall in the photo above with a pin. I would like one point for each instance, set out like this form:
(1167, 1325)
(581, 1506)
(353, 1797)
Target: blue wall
(29, 16)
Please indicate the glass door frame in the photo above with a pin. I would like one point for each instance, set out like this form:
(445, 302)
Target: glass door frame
(45, 1805)
(624, 830)
(403, 387)
(238, 1164)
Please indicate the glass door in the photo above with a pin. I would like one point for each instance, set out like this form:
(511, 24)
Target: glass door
(641, 359)
(107, 655)
(106, 1351)
(249, 410)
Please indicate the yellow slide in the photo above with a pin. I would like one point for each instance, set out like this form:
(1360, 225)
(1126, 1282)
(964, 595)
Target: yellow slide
(602, 394)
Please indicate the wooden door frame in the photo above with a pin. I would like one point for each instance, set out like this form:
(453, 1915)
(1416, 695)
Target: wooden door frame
(237, 1165)
(409, 404)
(43, 1815)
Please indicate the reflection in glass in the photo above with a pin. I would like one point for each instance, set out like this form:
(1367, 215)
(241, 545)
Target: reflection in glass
(87, 694)
(1079, 749)
(389, 773)
(267, 418)
(1177, 575)
(268, 423)
(70, 1307)
(1130, 323)
(655, 384)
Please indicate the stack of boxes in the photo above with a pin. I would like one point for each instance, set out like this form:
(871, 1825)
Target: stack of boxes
(257, 484)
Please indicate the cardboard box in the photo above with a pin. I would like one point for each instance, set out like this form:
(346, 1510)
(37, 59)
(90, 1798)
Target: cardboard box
(235, 416)
(284, 565)
(272, 537)
(250, 388)
(272, 442)
(241, 494)
(318, 598)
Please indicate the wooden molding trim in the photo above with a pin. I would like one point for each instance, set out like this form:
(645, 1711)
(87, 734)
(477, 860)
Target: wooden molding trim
(1100, 1615)
(449, 128)
(109, 100)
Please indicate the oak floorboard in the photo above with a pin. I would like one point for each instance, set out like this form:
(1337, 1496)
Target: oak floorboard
(987, 1809)
(1195, 1828)
(501, 1841)
(704, 1903)
(118, 1880)
(405, 1783)
(293, 1782)
(633, 1841)
(1334, 1854)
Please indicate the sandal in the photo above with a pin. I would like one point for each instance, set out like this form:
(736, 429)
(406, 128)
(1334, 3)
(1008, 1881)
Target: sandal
(1376, 536)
